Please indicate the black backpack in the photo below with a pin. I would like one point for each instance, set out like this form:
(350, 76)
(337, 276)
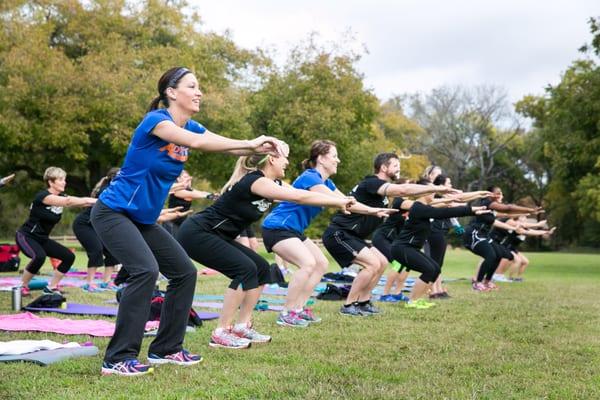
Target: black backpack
(333, 292)
(54, 300)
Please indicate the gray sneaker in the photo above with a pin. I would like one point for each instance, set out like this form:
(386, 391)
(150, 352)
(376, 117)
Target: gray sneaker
(369, 308)
(352, 310)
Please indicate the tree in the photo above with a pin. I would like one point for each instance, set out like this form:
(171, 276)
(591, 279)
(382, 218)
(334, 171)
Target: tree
(77, 76)
(567, 122)
(465, 131)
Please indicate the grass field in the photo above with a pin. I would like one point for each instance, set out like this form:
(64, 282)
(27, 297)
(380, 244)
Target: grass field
(535, 340)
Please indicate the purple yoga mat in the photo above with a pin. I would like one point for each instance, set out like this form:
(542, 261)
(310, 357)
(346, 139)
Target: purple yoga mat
(79, 309)
(90, 309)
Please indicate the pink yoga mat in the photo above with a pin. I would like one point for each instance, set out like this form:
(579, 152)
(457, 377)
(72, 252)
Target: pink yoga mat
(30, 322)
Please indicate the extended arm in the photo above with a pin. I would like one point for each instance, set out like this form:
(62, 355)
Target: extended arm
(270, 190)
(211, 142)
(411, 189)
(68, 201)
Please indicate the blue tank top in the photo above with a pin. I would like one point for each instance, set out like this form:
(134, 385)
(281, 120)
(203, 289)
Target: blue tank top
(150, 167)
(297, 217)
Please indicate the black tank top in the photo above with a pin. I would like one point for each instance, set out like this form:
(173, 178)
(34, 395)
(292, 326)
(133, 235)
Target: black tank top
(235, 210)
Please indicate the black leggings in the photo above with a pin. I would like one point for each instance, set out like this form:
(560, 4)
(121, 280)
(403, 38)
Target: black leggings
(417, 261)
(144, 250)
(242, 265)
(491, 254)
(437, 247)
(97, 254)
(37, 249)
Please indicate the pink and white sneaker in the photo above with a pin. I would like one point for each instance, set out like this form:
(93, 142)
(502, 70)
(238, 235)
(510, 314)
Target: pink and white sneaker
(225, 338)
(480, 287)
(246, 331)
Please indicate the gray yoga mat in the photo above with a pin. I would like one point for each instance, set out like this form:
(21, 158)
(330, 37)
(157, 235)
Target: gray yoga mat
(46, 357)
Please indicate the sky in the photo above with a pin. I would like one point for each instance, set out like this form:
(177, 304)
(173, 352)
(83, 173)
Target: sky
(417, 45)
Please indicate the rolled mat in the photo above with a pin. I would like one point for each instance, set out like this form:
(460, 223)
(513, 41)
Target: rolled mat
(46, 357)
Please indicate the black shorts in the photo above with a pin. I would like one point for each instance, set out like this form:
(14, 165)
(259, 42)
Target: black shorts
(343, 245)
(503, 251)
(273, 236)
(248, 232)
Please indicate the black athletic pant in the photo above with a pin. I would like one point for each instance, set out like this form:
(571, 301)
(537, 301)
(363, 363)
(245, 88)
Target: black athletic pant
(491, 259)
(97, 254)
(417, 261)
(239, 263)
(144, 250)
(37, 249)
(437, 247)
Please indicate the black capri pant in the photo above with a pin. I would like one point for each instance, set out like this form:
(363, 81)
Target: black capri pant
(242, 265)
(37, 249)
(437, 247)
(97, 254)
(415, 260)
(491, 253)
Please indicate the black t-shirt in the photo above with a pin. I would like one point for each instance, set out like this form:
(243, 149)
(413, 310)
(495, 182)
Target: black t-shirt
(483, 223)
(500, 235)
(42, 217)
(418, 223)
(365, 192)
(84, 216)
(514, 240)
(392, 225)
(441, 226)
(235, 210)
(175, 201)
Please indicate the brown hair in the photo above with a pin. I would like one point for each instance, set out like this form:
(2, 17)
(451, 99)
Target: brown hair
(105, 181)
(382, 159)
(169, 79)
(317, 148)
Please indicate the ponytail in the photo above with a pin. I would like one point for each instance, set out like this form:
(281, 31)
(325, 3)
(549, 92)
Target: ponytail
(154, 104)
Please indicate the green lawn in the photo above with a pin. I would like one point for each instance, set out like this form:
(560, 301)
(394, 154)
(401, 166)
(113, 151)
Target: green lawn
(535, 340)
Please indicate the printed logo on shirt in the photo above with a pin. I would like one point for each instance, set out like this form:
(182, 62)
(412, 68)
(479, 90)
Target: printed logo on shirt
(176, 152)
(262, 205)
(55, 209)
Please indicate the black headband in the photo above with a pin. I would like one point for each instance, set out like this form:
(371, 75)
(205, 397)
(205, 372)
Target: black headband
(177, 76)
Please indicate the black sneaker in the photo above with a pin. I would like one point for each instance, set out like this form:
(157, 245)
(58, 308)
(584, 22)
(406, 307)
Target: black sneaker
(49, 290)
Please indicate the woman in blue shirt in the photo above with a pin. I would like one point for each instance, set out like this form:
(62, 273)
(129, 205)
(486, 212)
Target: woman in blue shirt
(125, 219)
(283, 232)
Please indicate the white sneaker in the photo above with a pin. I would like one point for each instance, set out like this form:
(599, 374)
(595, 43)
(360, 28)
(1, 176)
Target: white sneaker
(500, 278)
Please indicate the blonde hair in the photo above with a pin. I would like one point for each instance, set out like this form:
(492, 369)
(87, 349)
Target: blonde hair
(243, 166)
(430, 169)
(53, 173)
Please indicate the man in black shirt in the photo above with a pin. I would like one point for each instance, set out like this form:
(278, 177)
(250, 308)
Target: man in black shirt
(345, 238)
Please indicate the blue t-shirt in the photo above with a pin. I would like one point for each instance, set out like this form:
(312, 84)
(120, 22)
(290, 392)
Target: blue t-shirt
(294, 216)
(150, 167)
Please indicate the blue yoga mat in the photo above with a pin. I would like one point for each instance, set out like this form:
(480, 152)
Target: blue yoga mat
(211, 297)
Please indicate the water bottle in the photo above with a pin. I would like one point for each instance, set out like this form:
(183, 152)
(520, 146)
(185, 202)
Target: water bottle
(16, 298)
